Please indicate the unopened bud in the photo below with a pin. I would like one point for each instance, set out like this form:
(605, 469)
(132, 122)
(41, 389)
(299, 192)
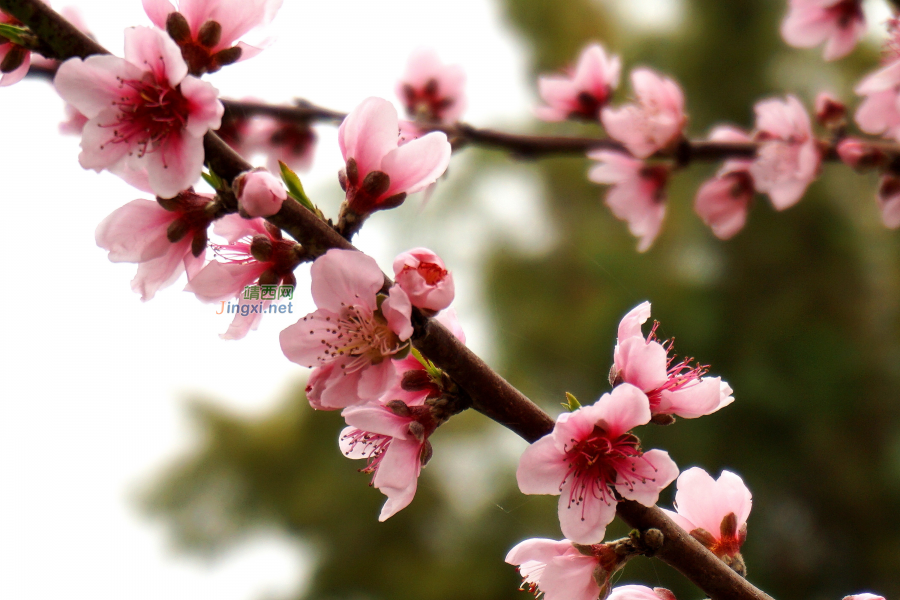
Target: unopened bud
(399, 408)
(859, 154)
(13, 59)
(177, 230)
(415, 380)
(376, 183)
(177, 27)
(653, 538)
(210, 33)
(830, 112)
(261, 248)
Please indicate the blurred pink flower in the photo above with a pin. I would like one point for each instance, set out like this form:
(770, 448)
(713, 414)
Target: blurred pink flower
(655, 121)
(590, 453)
(723, 202)
(838, 23)
(717, 507)
(206, 31)
(259, 193)
(555, 569)
(585, 91)
(889, 201)
(432, 90)
(640, 592)
(788, 158)
(637, 195)
(859, 154)
(353, 336)
(145, 112)
(290, 142)
(393, 438)
(879, 113)
(679, 389)
(421, 274)
(164, 237)
(379, 174)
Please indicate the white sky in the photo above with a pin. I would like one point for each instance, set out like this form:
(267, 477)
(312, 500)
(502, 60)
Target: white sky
(94, 381)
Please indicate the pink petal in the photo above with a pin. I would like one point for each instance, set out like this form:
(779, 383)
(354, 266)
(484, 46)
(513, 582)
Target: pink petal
(705, 502)
(375, 381)
(158, 11)
(542, 468)
(570, 578)
(631, 323)
(398, 474)
(302, 341)
(417, 164)
(537, 550)
(221, 281)
(585, 522)
(98, 150)
(152, 50)
(135, 232)
(719, 208)
(175, 165)
(633, 592)
(657, 471)
(242, 325)
(233, 227)
(375, 418)
(641, 363)
(345, 276)
(205, 110)
(17, 74)
(623, 409)
(92, 85)
(153, 275)
(701, 398)
(368, 133)
(397, 309)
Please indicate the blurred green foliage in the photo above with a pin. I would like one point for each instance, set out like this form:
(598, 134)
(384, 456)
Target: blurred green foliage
(800, 313)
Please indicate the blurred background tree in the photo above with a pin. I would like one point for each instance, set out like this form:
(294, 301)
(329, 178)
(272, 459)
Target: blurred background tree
(799, 313)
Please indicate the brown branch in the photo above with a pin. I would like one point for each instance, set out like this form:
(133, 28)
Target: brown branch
(491, 394)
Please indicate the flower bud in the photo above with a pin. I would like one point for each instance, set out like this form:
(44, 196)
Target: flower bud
(421, 274)
(859, 155)
(830, 112)
(260, 194)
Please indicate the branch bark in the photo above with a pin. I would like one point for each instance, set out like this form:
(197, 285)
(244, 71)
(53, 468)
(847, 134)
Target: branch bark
(491, 394)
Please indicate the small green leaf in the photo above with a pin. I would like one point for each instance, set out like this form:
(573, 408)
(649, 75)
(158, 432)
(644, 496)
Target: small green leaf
(214, 181)
(434, 372)
(17, 35)
(295, 188)
(571, 403)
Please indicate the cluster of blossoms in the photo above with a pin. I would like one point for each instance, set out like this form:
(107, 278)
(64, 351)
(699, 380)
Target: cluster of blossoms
(144, 117)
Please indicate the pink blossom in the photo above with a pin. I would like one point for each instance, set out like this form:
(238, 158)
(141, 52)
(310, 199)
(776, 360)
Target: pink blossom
(640, 592)
(145, 112)
(655, 122)
(260, 194)
(14, 59)
(879, 113)
(421, 274)
(353, 336)
(672, 389)
(256, 253)
(590, 453)
(889, 201)
(838, 23)
(380, 174)
(864, 596)
(717, 507)
(164, 237)
(393, 438)
(723, 202)
(582, 93)
(637, 195)
(291, 142)
(788, 159)
(432, 90)
(74, 123)
(207, 30)
(555, 569)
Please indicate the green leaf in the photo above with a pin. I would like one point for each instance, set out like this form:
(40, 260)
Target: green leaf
(215, 182)
(430, 368)
(295, 188)
(571, 403)
(17, 35)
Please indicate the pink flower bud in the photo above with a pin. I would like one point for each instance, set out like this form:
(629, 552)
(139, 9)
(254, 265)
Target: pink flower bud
(421, 274)
(859, 154)
(259, 193)
(830, 112)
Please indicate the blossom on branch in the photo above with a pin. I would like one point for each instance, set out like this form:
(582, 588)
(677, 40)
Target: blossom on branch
(879, 113)
(393, 438)
(556, 569)
(353, 335)
(206, 30)
(838, 23)
(723, 202)
(655, 122)
(591, 458)
(637, 195)
(145, 112)
(164, 237)
(431, 90)
(672, 389)
(259, 193)
(421, 274)
(256, 253)
(714, 511)
(788, 158)
(380, 172)
(582, 93)
(289, 141)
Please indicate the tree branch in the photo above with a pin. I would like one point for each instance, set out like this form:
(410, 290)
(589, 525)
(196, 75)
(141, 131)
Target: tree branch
(491, 394)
